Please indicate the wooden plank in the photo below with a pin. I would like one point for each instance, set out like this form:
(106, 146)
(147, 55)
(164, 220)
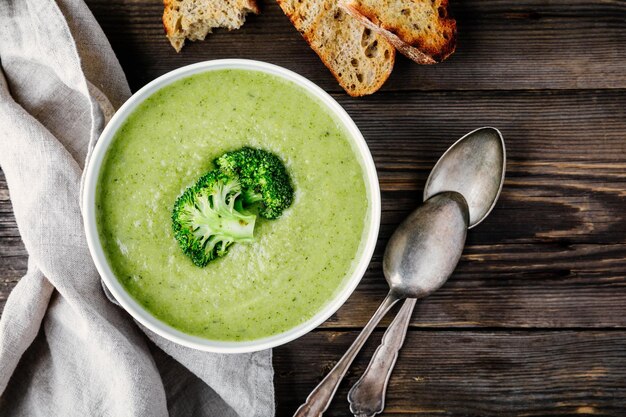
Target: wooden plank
(502, 45)
(13, 256)
(11, 270)
(537, 286)
(409, 131)
(471, 373)
(557, 185)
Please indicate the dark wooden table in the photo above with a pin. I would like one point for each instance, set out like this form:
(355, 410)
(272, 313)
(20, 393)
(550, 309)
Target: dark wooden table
(533, 322)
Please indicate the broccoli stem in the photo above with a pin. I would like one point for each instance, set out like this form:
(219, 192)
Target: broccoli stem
(220, 222)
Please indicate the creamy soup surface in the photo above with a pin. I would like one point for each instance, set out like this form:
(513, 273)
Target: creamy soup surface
(296, 263)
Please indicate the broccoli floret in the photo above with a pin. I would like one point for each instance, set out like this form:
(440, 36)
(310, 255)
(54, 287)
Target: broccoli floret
(263, 178)
(211, 215)
(208, 217)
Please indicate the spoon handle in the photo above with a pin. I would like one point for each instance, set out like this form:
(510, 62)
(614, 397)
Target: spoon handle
(367, 396)
(318, 401)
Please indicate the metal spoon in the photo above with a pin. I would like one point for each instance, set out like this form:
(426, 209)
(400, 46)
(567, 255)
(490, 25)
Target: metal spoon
(420, 256)
(473, 166)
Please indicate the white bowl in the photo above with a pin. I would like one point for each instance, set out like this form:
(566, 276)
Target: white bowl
(165, 330)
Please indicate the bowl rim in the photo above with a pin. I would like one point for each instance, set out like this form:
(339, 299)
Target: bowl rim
(135, 309)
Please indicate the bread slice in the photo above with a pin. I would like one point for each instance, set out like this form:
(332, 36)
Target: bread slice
(421, 29)
(194, 19)
(360, 60)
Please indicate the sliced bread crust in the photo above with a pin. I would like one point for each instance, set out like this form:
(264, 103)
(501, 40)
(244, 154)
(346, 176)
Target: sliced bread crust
(194, 19)
(423, 30)
(359, 59)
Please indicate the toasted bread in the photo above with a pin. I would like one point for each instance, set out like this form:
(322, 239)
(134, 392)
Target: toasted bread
(421, 29)
(360, 60)
(194, 19)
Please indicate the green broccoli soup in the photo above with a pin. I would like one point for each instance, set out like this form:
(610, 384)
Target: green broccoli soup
(295, 262)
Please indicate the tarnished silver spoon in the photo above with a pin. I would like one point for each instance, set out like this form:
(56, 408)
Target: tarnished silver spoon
(473, 166)
(420, 256)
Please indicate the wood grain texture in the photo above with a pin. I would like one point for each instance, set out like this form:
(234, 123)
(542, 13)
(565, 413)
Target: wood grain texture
(512, 286)
(471, 373)
(13, 257)
(502, 45)
(553, 247)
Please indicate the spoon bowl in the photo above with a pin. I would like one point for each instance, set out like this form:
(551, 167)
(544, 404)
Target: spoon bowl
(473, 166)
(425, 248)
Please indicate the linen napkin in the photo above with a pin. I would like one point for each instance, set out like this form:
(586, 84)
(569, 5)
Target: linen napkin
(65, 349)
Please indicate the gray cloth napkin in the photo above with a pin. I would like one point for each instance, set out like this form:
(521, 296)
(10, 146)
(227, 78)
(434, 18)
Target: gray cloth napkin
(65, 349)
